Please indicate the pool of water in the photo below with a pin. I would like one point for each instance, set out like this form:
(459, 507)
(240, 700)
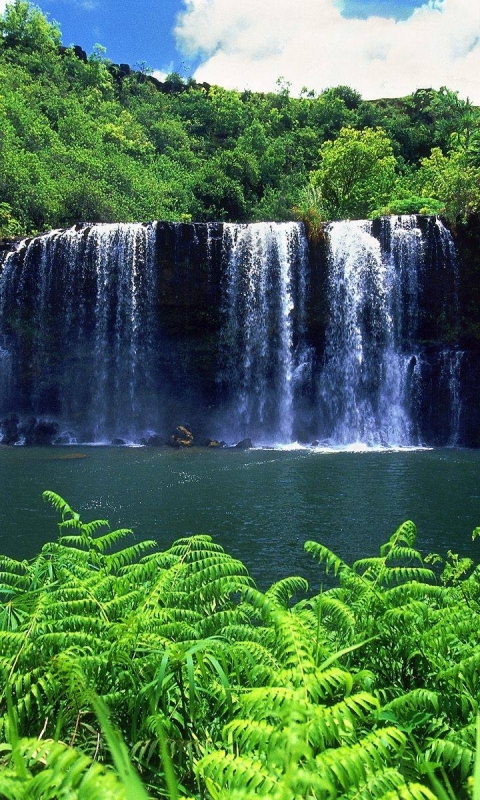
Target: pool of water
(261, 505)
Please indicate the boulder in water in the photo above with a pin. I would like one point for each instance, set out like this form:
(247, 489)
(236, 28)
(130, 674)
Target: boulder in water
(183, 437)
(9, 430)
(155, 440)
(244, 444)
(39, 432)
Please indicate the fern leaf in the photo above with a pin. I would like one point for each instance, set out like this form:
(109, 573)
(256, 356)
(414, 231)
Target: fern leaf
(283, 591)
(406, 535)
(105, 542)
(335, 614)
(452, 756)
(238, 772)
(410, 791)
(353, 766)
(117, 560)
(60, 505)
(379, 784)
(325, 557)
(407, 574)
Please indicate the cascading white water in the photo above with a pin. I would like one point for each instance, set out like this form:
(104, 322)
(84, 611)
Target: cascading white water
(86, 298)
(125, 268)
(264, 289)
(370, 383)
(451, 366)
(120, 331)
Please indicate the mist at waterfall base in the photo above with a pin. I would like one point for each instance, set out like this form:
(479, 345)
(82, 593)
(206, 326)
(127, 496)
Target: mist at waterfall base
(120, 332)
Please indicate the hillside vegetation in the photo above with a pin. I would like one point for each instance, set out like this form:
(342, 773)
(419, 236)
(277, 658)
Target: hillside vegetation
(83, 140)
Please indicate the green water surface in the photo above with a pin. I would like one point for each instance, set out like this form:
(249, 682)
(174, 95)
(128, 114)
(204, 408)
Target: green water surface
(261, 505)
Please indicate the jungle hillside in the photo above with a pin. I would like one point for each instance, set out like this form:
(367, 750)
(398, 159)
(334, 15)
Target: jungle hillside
(83, 139)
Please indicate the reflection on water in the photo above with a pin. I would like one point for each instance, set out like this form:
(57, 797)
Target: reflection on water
(261, 505)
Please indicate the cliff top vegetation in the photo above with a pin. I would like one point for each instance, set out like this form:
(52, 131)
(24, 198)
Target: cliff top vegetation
(86, 140)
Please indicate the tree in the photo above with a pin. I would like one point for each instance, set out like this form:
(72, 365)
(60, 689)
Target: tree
(25, 27)
(356, 173)
(452, 180)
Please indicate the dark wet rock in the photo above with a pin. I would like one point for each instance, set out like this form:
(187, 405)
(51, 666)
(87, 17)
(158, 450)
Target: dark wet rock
(214, 443)
(244, 444)
(39, 433)
(9, 430)
(183, 437)
(118, 442)
(155, 440)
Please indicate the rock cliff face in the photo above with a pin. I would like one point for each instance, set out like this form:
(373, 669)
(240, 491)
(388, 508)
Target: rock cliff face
(467, 243)
(123, 332)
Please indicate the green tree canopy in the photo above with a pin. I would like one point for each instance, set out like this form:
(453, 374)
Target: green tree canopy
(452, 180)
(356, 173)
(24, 26)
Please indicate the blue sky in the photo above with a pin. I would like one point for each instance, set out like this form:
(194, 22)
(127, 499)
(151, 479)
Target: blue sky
(380, 47)
(144, 30)
(136, 31)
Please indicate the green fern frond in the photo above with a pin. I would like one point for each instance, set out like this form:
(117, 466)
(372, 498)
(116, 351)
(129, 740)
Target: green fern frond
(329, 685)
(255, 660)
(417, 700)
(294, 642)
(249, 735)
(369, 566)
(412, 613)
(11, 565)
(238, 772)
(120, 606)
(191, 548)
(465, 672)
(405, 535)
(334, 614)
(242, 632)
(116, 561)
(338, 724)
(407, 574)
(452, 756)
(60, 505)
(92, 528)
(438, 596)
(105, 542)
(354, 766)
(410, 791)
(221, 621)
(62, 771)
(403, 553)
(282, 591)
(143, 571)
(376, 787)
(271, 702)
(326, 557)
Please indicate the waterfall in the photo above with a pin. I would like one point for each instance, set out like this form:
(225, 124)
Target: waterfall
(83, 332)
(371, 382)
(123, 400)
(124, 331)
(363, 383)
(264, 319)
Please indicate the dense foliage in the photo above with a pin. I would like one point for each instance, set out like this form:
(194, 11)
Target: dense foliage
(83, 141)
(118, 656)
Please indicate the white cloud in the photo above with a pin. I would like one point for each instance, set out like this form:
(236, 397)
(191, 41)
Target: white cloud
(159, 74)
(250, 44)
(3, 5)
